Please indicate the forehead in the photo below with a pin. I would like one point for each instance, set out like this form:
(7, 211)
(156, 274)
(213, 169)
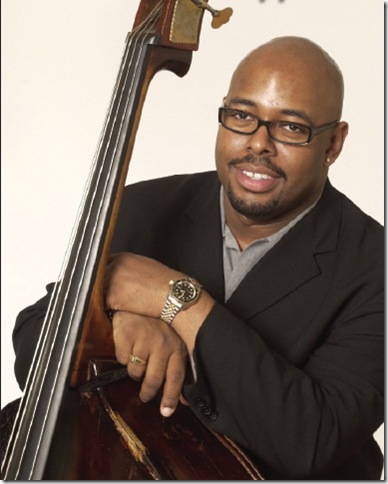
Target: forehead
(283, 83)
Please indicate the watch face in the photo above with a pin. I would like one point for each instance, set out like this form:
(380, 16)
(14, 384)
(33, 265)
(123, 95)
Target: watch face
(185, 291)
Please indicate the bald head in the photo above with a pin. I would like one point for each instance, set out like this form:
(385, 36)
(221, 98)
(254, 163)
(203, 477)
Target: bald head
(304, 63)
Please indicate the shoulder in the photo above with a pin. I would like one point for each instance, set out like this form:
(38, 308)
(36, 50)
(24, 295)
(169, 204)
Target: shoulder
(345, 240)
(356, 223)
(356, 239)
(336, 210)
(173, 193)
(176, 183)
(149, 207)
(169, 189)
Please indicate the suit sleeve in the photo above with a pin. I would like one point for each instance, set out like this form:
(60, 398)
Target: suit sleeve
(301, 421)
(26, 334)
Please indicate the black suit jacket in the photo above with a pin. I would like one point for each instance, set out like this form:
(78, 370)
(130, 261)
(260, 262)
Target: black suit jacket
(291, 366)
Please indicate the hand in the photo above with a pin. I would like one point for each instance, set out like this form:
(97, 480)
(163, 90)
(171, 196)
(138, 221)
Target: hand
(163, 350)
(137, 284)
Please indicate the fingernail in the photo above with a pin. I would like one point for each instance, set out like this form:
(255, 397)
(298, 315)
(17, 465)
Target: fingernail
(166, 411)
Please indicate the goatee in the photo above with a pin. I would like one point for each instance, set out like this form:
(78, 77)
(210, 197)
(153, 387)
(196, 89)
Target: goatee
(251, 209)
(254, 209)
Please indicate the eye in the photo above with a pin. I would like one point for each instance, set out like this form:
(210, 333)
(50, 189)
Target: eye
(293, 128)
(240, 116)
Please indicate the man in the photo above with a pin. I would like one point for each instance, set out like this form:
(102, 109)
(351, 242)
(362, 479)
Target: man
(277, 292)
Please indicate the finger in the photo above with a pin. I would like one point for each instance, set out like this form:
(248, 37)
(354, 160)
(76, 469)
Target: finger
(172, 390)
(154, 378)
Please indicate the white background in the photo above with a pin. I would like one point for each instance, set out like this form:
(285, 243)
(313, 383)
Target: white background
(59, 63)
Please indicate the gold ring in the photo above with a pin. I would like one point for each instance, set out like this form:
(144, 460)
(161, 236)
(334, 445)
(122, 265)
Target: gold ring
(136, 360)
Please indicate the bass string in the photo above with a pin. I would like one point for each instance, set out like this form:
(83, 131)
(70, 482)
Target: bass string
(134, 40)
(117, 96)
(128, 54)
(138, 33)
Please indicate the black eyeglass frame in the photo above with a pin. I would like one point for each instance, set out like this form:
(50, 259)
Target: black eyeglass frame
(312, 131)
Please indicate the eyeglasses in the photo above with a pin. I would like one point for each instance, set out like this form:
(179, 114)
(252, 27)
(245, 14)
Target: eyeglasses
(283, 131)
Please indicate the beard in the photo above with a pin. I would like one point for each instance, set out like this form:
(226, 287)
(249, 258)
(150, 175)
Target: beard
(249, 209)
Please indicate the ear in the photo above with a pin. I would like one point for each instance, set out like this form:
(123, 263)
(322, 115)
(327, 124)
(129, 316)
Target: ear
(336, 142)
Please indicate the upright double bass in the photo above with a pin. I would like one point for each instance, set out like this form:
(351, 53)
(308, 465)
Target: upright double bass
(106, 433)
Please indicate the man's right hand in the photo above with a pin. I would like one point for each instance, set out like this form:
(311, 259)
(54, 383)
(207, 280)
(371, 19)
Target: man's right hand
(161, 349)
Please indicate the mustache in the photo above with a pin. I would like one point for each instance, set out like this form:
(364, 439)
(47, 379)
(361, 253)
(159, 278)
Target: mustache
(258, 161)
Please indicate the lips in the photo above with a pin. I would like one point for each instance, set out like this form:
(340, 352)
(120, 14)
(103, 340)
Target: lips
(257, 180)
(256, 176)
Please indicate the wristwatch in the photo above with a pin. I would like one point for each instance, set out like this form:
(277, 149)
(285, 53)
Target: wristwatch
(182, 293)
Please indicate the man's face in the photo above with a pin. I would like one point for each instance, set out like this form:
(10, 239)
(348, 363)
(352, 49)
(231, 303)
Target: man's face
(266, 180)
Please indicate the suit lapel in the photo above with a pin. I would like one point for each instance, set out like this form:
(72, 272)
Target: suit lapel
(282, 270)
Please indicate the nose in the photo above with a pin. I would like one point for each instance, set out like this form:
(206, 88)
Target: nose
(259, 142)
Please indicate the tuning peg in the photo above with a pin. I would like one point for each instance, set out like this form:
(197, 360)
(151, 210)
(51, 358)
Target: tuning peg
(220, 17)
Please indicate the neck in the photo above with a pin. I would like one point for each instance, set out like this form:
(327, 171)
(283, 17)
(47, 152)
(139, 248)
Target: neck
(247, 229)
